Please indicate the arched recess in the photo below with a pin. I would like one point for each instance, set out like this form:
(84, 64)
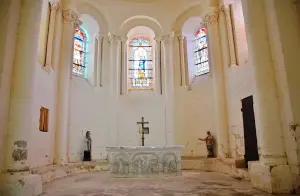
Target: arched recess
(87, 8)
(194, 15)
(136, 21)
(142, 25)
(195, 11)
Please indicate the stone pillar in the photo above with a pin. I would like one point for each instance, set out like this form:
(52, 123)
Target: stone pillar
(169, 87)
(22, 94)
(16, 179)
(184, 77)
(216, 64)
(158, 66)
(232, 53)
(99, 60)
(124, 66)
(50, 38)
(114, 86)
(71, 20)
(272, 173)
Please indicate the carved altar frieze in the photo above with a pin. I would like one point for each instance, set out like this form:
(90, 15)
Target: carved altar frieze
(144, 161)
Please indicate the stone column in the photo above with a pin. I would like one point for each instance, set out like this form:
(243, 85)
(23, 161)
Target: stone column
(184, 74)
(114, 86)
(272, 173)
(267, 111)
(22, 87)
(124, 66)
(71, 20)
(216, 63)
(169, 87)
(99, 60)
(232, 53)
(50, 38)
(16, 178)
(158, 66)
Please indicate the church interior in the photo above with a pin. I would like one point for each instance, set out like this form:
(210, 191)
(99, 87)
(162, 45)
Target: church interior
(148, 79)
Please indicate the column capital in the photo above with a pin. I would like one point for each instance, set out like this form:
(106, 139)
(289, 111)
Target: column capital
(71, 17)
(54, 6)
(210, 19)
(181, 37)
(113, 39)
(225, 8)
(100, 37)
(124, 38)
(168, 39)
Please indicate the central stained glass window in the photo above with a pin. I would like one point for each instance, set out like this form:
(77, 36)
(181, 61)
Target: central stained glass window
(140, 74)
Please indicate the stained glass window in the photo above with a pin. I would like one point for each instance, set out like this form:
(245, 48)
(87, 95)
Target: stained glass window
(140, 64)
(80, 52)
(200, 52)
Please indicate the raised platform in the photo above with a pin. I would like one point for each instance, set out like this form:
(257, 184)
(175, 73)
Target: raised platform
(228, 166)
(144, 161)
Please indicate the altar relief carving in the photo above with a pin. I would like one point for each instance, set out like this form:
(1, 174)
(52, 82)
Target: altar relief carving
(140, 163)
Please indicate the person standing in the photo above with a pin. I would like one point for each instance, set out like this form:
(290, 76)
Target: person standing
(209, 144)
(88, 146)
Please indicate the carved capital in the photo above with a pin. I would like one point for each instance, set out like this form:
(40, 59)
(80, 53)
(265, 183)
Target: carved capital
(158, 39)
(71, 17)
(225, 8)
(55, 6)
(124, 39)
(167, 39)
(211, 19)
(181, 38)
(113, 39)
(100, 37)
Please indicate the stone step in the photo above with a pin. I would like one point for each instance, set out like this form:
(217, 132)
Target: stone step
(53, 172)
(222, 165)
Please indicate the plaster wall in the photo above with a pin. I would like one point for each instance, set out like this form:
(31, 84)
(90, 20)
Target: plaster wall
(41, 147)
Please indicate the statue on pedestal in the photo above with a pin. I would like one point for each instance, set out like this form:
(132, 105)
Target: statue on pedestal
(209, 140)
(87, 146)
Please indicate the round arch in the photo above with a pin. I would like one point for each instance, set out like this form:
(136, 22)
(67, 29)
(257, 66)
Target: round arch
(87, 8)
(189, 13)
(136, 21)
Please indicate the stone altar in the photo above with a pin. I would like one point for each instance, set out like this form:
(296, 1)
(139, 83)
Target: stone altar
(144, 161)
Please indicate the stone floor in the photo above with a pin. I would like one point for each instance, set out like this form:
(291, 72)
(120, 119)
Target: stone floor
(191, 183)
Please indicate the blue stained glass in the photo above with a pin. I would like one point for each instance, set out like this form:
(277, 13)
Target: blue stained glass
(140, 64)
(200, 51)
(79, 55)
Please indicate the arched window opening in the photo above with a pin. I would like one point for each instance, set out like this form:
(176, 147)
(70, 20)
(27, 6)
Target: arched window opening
(200, 52)
(140, 64)
(80, 53)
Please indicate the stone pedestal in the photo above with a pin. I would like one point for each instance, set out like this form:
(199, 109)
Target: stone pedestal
(144, 161)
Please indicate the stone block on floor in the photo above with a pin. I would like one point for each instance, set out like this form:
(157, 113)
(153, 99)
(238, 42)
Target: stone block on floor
(27, 185)
(272, 179)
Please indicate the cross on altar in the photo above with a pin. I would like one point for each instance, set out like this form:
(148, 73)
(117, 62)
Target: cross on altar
(145, 130)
